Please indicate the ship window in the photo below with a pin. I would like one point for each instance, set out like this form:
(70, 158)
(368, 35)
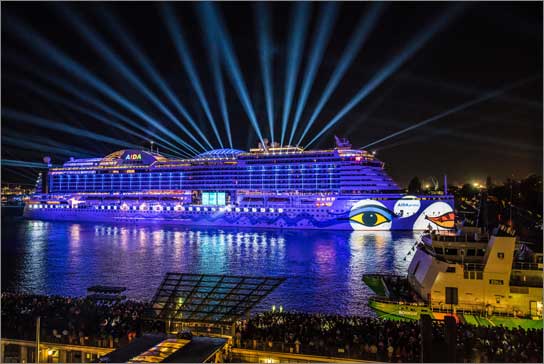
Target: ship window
(439, 250)
(480, 275)
(450, 270)
(480, 252)
(500, 255)
(450, 251)
(471, 252)
(465, 274)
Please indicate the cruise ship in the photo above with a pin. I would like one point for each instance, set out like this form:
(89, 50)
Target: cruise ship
(342, 188)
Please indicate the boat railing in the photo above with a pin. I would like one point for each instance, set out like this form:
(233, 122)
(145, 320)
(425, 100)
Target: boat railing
(462, 238)
(379, 275)
(526, 281)
(526, 266)
(397, 302)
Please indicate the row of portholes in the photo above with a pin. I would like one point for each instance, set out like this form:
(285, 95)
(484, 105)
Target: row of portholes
(179, 208)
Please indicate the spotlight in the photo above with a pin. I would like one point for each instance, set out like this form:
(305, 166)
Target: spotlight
(415, 45)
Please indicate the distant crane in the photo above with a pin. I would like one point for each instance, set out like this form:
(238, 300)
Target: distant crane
(434, 182)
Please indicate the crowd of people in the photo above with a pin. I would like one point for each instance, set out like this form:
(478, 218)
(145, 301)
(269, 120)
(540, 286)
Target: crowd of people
(382, 340)
(331, 335)
(499, 345)
(84, 321)
(69, 320)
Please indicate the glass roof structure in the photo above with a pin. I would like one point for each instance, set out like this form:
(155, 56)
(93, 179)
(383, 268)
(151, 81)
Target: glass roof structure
(225, 153)
(209, 298)
(160, 352)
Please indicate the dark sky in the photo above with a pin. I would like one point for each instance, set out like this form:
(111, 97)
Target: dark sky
(489, 45)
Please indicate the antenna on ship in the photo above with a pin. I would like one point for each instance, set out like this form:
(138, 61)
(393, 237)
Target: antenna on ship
(445, 184)
(151, 145)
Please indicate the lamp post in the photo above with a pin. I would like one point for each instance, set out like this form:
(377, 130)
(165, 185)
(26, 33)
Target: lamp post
(38, 340)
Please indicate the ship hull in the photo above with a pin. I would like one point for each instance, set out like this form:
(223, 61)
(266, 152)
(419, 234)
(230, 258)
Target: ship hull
(400, 311)
(345, 217)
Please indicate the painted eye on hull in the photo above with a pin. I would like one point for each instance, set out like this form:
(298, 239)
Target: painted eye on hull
(446, 220)
(371, 216)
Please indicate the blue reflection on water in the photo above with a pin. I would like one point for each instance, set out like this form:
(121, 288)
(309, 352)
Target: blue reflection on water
(324, 268)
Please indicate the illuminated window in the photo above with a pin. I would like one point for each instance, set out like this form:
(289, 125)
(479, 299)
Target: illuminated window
(280, 210)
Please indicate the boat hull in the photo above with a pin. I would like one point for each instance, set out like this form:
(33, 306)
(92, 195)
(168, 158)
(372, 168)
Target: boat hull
(400, 311)
(352, 215)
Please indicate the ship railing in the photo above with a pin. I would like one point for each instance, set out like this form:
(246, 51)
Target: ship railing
(526, 266)
(386, 275)
(397, 302)
(476, 309)
(527, 282)
(462, 238)
(464, 308)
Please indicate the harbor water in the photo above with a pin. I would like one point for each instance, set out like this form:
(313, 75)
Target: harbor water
(323, 268)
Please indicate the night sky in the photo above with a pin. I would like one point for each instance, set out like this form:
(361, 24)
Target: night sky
(484, 48)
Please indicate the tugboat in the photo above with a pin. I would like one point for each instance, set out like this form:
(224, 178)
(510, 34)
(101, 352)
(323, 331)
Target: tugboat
(475, 277)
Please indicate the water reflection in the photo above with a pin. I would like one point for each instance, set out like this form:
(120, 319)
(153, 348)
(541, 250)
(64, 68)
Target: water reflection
(324, 269)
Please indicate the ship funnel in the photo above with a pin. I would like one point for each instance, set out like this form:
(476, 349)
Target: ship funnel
(342, 142)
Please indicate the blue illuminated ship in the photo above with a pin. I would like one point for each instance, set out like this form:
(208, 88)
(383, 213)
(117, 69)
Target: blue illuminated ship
(270, 186)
